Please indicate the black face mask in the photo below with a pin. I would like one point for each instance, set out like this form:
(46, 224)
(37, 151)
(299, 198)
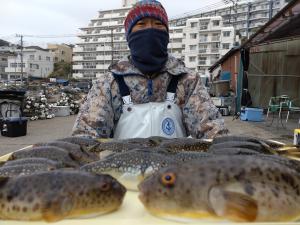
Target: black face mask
(149, 49)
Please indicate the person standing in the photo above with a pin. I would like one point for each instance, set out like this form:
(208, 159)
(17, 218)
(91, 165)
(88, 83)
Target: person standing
(148, 93)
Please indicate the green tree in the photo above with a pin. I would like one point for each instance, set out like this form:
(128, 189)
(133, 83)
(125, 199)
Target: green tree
(61, 70)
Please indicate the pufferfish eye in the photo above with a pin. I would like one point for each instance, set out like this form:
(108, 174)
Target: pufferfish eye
(105, 187)
(168, 179)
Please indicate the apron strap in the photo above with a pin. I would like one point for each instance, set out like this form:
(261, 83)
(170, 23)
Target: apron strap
(171, 90)
(124, 90)
(173, 84)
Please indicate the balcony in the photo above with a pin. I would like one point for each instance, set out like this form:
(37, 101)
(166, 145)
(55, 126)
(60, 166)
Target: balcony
(77, 58)
(77, 67)
(203, 27)
(203, 40)
(215, 39)
(77, 75)
(103, 48)
(214, 50)
(202, 62)
(102, 66)
(104, 39)
(78, 49)
(103, 57)
(13, 70)
(111, 23)
(175, 45)
(176, 35)
(203, 50)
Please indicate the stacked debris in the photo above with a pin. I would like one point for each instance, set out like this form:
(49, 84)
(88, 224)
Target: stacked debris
(67, 99)
(37, 107)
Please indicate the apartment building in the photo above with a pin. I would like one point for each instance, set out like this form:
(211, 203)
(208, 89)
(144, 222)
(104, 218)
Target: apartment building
(176, 44)
(205, 41)
(37, 62)
(62, 52)
(102, 42)
(6, 50)
(245, 16)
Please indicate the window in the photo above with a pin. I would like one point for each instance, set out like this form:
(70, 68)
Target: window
(192, 58)
(216, 23)
(202, 60)
(193, 36)
(193, 47)
(226, 46)
(203, 25)
(226, 34)
(40, 57)
(202, 48)
(215, 37)
(31, 57)
(203, 38)
(194, 24)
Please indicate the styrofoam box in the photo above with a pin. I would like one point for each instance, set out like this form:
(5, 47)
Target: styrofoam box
(60, 111)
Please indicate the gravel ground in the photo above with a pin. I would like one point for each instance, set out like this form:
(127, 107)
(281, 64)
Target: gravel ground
(59, 127)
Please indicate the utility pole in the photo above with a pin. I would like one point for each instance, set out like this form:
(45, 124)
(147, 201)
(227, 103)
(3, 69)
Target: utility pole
(271, 9)
(234, 7)
(248, 19)
(21, 36)
(112, 44)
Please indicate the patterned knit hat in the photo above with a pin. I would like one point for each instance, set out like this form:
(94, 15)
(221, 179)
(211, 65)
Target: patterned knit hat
(142, 9)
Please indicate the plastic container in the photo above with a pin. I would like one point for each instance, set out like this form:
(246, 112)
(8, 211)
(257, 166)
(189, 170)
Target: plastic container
(252, 114)
(61, 111)
(13, 126)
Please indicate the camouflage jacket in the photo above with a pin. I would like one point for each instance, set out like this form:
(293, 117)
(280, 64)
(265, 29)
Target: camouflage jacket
(101, 111)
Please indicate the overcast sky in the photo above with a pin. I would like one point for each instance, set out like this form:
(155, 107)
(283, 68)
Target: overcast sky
(64, 17)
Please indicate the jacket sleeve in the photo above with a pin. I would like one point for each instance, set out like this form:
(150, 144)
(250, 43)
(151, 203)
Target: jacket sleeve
(201, 117)
(96, 115)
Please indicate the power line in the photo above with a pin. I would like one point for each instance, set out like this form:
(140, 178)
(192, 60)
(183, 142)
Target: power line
(206, 8)
(50, 36)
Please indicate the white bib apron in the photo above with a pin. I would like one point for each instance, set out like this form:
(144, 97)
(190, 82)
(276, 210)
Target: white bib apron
(149, 119)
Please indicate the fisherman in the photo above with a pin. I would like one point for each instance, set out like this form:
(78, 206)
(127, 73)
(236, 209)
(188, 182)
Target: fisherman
(149, 93)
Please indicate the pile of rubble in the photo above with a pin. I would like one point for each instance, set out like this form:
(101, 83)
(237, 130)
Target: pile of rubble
(38, 105)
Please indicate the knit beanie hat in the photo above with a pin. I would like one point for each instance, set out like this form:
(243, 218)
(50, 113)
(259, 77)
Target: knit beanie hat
(142, 9)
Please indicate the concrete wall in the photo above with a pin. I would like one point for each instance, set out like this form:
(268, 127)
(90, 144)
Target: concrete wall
(274, 70)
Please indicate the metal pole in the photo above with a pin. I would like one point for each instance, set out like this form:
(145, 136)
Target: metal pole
(248, 19)
(112, 45)
(271, 10)
(21, 58)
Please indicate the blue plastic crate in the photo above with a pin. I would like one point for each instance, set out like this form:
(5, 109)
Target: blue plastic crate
(252, 114)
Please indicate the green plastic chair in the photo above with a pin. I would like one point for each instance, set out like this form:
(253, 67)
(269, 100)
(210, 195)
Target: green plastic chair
(278, 104)
(294, 106)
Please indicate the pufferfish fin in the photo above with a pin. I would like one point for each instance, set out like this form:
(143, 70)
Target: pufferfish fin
(232, 205)
(56, 208)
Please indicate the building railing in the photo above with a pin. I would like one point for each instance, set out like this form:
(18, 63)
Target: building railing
(215, 39)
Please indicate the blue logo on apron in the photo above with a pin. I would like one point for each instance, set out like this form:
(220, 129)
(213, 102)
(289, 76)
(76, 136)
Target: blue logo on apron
(168, 126)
